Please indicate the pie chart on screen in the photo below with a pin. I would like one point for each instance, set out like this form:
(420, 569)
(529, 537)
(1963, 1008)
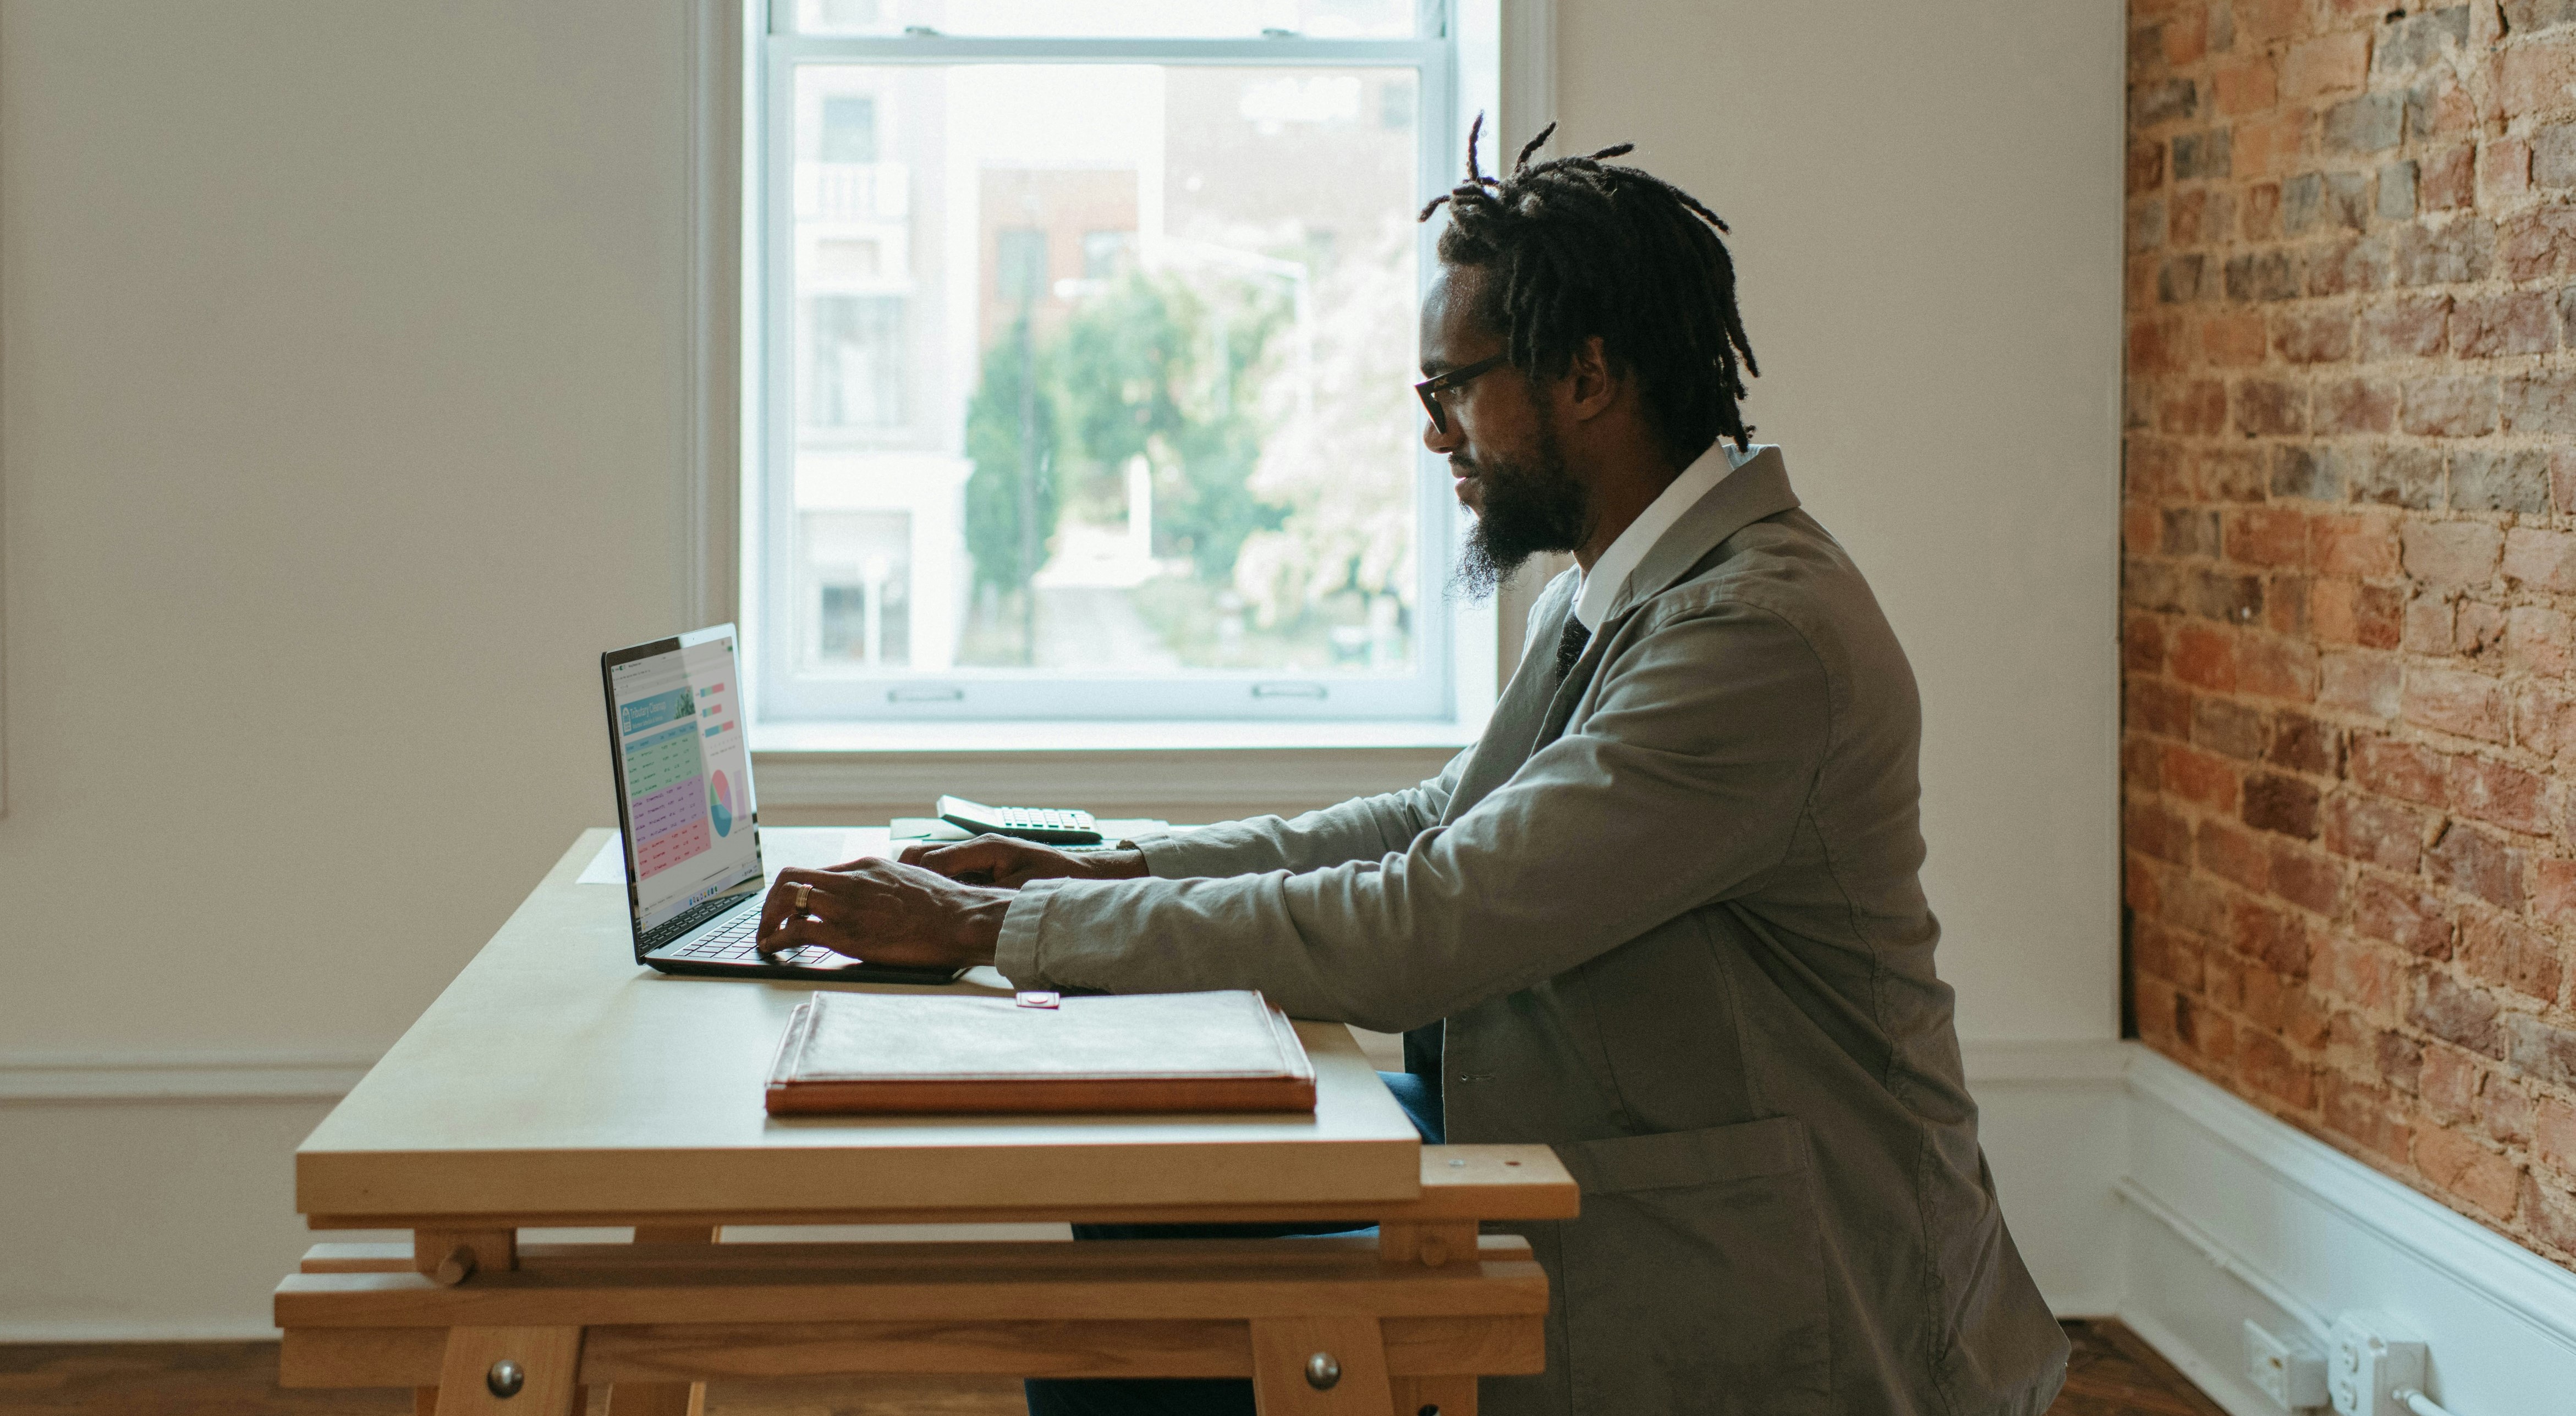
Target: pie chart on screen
(720, 805)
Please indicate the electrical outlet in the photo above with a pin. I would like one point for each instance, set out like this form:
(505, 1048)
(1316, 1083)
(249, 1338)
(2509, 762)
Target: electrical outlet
(2290, 1372)
(2374, 1356)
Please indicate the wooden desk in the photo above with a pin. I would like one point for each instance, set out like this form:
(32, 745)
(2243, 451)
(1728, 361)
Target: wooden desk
(555, 1082)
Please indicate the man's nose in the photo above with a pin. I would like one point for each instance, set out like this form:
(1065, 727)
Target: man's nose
(1437, 440)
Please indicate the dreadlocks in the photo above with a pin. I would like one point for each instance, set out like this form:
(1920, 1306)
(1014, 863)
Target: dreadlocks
(1578, 247)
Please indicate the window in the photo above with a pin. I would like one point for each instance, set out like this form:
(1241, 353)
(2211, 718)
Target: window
(1090, 336)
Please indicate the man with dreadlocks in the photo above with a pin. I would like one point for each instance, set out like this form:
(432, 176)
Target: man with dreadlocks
(1664, 916)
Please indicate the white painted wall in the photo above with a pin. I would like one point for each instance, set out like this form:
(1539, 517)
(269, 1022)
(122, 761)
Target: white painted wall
(341, 423)
(1926, 200)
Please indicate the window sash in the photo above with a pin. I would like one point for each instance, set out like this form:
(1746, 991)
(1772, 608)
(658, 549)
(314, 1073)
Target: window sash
(1430, 691)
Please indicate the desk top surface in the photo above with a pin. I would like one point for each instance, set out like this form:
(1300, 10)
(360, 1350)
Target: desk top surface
(556, 1080)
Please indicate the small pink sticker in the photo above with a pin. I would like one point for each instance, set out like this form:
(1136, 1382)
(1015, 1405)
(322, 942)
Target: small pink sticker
(1039, 998)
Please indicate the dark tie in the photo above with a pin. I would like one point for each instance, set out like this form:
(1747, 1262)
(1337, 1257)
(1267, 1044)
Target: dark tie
(1570, 647)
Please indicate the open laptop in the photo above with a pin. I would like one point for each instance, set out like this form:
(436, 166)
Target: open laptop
(684, 810)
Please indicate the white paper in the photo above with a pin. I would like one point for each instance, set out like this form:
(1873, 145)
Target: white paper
(609, 866)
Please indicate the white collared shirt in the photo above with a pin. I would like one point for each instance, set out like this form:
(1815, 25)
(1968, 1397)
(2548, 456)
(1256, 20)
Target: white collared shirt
(1601, 583)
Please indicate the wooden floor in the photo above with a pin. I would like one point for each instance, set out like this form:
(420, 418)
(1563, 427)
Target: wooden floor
(2112, 1374)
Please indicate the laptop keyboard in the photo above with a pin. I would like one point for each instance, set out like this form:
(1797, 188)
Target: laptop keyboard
(736, 941)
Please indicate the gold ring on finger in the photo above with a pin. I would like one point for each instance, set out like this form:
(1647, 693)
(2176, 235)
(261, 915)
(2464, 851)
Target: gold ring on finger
(804, 893)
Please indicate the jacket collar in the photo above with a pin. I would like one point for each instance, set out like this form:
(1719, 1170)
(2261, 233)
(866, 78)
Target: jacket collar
(1759, 488)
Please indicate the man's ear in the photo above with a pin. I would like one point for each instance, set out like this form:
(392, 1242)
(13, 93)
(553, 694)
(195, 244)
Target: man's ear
(1589, 381)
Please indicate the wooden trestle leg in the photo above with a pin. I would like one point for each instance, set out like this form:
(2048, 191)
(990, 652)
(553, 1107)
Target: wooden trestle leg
(664, 1398)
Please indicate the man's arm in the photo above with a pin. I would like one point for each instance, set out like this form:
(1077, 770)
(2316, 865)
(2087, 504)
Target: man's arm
(1686, 784)
(1363, 828)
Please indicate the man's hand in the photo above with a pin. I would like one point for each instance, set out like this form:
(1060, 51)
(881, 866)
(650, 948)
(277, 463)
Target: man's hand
(1011, 863)
(885, 913)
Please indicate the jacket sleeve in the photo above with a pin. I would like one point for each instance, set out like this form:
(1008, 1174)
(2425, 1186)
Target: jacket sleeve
(1363, 828)
(1684, 786)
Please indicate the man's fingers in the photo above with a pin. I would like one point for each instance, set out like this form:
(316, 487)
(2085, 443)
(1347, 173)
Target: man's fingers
(781, 906)
(800, 932)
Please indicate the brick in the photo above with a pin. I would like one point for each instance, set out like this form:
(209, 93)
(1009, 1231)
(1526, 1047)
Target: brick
(2201, 778)
(2246, 85)
(2263, 407)
(2543, 1050)
(2306, 471)
(2233, 341)
(2230, 474)
(2487, 480)
(2541, 560)
(2302, 744)
(2429, 625)
(2452, 701)
(2402, 915)
(2187, 531)
(2450, 1082)
(2445, 180)
(2312, 882)
(2141, 529)
(2451, 552)
(2544, 719)
(2267, 145)
(2462, 249)
(2549, 1215)
(2178, 279)
(2285, 612)
(2534, 244)
(2200, 156)
(2449, 407)
(2197, 409)
(2362, 545)
(2507, 955)
(2186, 36)
(2351, 970)
(2371, 123)
(2196, 216)
(2516, 322)
(2524, 16)
(2400, 1059)
(2535, 78)
(2411, 326)
(2538, 403)
(2350, 265)
(2267, 536)
(2464, 1169)
(2262, 220)
(2553, 157)
(2266, 275)
(2406, 475)
(2161, 101)
(2152, 471)
(2230, 729)
(2266, 20)
(2277, 666)
(2146, 167)
(2498, 793)
(2540, 640)
(2456, 1014)
(2355, 405)
(2361, 1115)
(2342, 612)
(2142, 644)
(2146, 224)
(2562, 480)
(2282, 805)
(2397, 191)
(2157, 952)
(2505, 1111)
(2553, 1134)
(2405, 770)
(2418, 40)
(2476, 627)
(2225, 596)
(2335, 63)
(2149, 827)
(2566, 310)
(2312, 336)
(2268, 1066)
(2471, 861)
(2157, 708)
(2360, 682)
(2231, 854)
(2139, 765)
(2313, 199)
(2553, 892)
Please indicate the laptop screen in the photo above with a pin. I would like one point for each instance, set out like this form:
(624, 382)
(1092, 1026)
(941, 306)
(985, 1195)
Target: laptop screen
(683, 772)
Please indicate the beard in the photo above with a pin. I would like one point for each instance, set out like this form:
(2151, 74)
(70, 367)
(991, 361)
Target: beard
(1531, 504)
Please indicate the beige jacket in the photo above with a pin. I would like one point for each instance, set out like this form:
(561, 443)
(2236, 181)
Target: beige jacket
(1668, 910)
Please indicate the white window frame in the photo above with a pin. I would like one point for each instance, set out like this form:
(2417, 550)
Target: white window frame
(1455, 643)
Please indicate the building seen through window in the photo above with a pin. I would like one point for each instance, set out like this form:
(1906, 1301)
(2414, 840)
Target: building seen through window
(1101, 371)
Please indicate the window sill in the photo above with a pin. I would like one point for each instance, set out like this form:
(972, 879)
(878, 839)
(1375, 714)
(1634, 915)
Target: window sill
(1179, 771)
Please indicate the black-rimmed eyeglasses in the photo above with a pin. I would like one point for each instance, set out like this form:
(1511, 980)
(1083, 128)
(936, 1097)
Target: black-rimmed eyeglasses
(1431, 389)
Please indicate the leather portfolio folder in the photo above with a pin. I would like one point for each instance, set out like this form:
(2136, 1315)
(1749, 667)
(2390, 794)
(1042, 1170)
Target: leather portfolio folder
(853, 1053)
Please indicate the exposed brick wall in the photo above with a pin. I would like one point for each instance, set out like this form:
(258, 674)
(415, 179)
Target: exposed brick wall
(2350, 578)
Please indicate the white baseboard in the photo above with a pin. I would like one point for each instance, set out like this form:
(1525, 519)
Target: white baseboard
(2237, 1215)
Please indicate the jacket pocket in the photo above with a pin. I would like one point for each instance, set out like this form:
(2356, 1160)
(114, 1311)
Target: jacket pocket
(1694, 1279)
